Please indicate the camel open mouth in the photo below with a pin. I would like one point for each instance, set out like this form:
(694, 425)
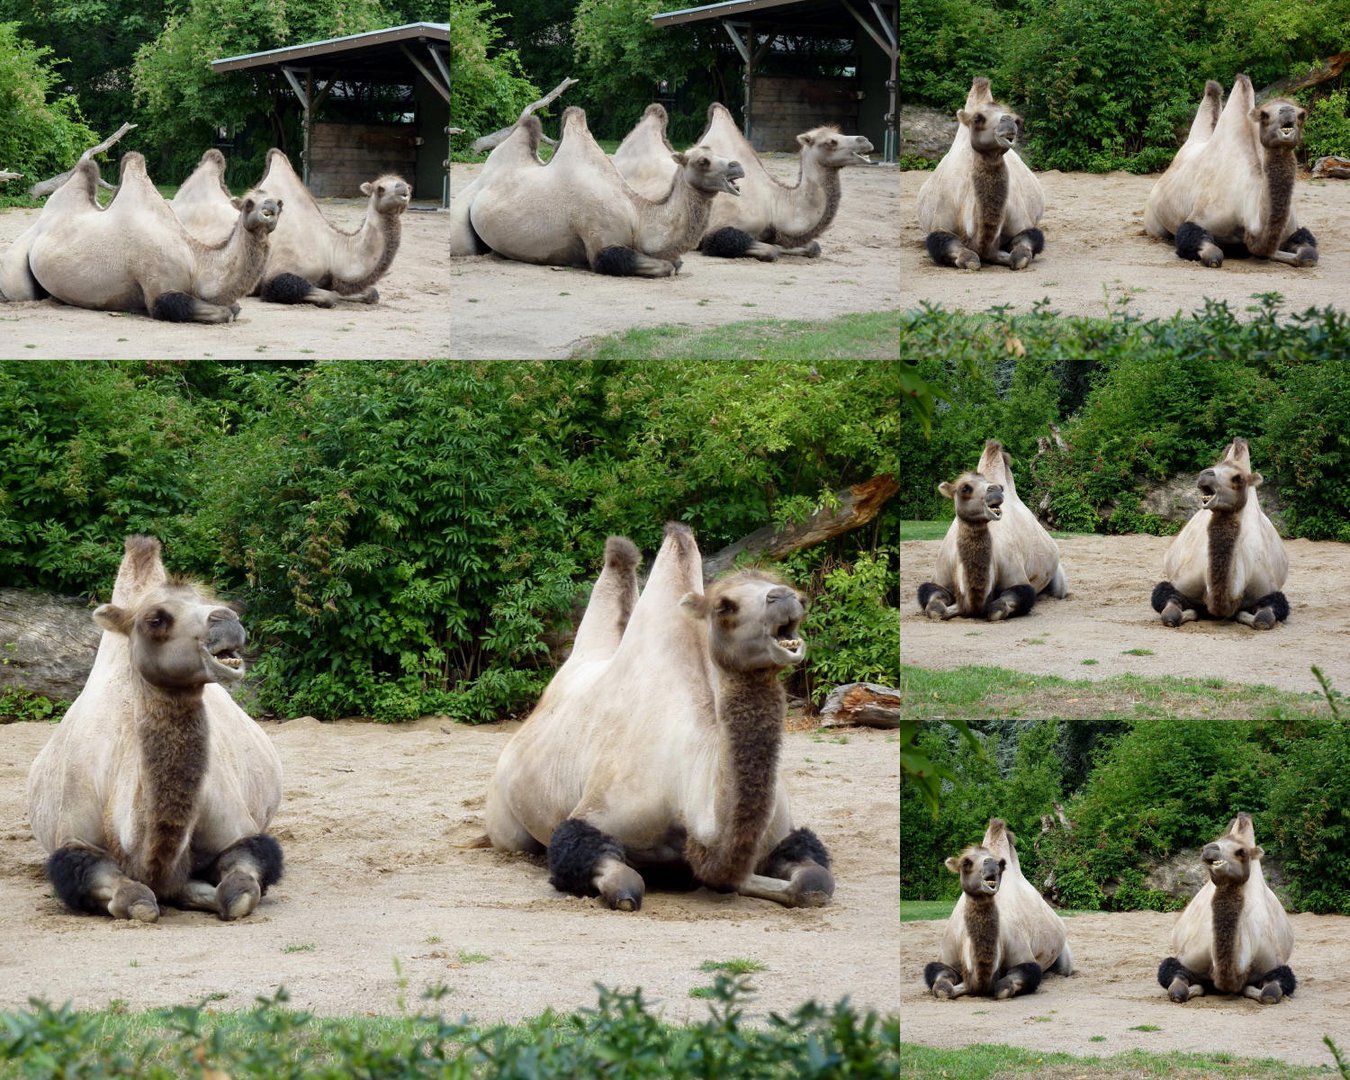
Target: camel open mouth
(226, 664)
(991, 884)
(785, 637)
(1205, 500)
(732, 189)
(996, 512)
(863, 158)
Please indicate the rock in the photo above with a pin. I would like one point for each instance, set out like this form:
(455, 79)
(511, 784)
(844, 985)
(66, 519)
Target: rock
(47, 643)
(1182, 874)
(1177, 500)
(862, 703)
(925, 132)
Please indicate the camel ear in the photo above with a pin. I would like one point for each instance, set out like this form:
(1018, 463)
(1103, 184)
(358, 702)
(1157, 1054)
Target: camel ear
(1255, 852)
(1255, 116)
(953, 864)
(114, 618)
(237, 203)
(680, 159)
(804, 139)
(695, 605)
(1255, 479)
(365, 188)
(963, 117)
(947, 489)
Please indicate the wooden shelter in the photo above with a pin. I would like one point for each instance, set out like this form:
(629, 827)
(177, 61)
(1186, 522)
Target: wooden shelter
(385, 101)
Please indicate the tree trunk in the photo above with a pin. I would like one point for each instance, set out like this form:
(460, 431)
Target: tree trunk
(488, 142)
(43, 188)
(1327, 69)
(866, 704)
(858, 505)
(47, 643)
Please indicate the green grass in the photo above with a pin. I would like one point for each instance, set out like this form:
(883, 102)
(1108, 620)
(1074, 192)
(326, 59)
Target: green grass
(936, 530)
(940, 910)
(466, 957)
(867, 336)
(297, 948)
(985, 1061)
(736, 966)
(975, 693)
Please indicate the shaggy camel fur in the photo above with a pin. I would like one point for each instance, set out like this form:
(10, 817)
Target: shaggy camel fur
(996, 558)
(578, 211)
(770, 218)
(311, 261)
(656, 745)
(1228, 561)
(156, 787)
(1002, 935)
(1234, 936)
(135, 255)
(1231, 185)
(982, 202)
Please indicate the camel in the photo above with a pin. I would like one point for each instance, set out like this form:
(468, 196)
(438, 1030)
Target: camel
(135, 255)
(982, 203)
(996, 558)
(656, 745)
(311, 261)
(578, 211)
(1002, 936)
(156, 787)
(1228, 561)
(1234, 936)
(771, 218)
(1231, 185)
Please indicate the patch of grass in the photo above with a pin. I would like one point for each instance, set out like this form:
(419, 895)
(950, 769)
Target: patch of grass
(1097, 1038)
(867, 336)
(1089, 663)
(466, 957)
(986, 1061)
(923, 530)
(1137, 652)
(941, 910)
(1146, 1027)
(738, 965)
(297, 948)
(432, 939)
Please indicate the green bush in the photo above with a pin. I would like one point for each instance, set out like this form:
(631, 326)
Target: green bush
(1327, 130)
(852, 627)
(489, 88)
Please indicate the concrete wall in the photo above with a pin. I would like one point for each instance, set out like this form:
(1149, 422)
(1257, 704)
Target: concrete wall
(342, 157)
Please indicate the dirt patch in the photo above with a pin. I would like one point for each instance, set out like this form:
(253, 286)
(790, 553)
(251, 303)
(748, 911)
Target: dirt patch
(511, 310)
(1114, 993)
(411, 320)
(1107, 614)
(1096, 251)
(371, 822)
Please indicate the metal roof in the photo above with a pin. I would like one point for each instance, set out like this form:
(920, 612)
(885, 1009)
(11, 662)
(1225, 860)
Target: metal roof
(369, 49)
(818, 14)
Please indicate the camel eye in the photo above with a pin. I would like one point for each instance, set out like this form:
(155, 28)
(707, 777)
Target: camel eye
(726, 606)
(966, 863)
(966, 489)
(158, 619)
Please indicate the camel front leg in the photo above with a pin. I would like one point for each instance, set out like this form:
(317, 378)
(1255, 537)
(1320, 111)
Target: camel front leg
(1270, 610)
(87, 879)
(293, 289)
(1196, 244)
(944, 981)
(1180, 982)
(183, 307)
(1022, 979)
(730, 243)
(236, 879)
(1023, 247)
(1273, 986)
(1012, 601)
(796, 873)
(946, 249)
(1299, 250)
(937, 602)
(627, 262)
(1174, 608)
(584, 861)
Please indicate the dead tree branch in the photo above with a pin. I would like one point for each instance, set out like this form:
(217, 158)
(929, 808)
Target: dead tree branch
(43, 188)
(489, 142)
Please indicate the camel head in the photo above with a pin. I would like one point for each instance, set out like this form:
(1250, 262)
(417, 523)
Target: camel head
(993, 129)
(981, 872)
(1224, 486)
(754, 621)
(260, 211)
(1279, 124)
(389, 194)
(180, 638)
(832, 150)
(706, 172)
(1231, 856)
(977, 500)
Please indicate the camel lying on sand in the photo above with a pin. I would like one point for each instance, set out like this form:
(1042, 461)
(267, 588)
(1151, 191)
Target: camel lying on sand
(578, 211)
(770, 218)
(996, 558)
(1231, 185)
(135, 255)
(1234, 936)
(982, 203)
(1002, 935)
(657, 742)
(1228, 561)
(311, 261)
(156, 787)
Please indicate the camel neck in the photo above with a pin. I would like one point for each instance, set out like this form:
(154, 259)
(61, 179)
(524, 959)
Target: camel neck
(673, 225)
(989, 178)
(174, 741)
(1222, 533)
(1226, 910)
(981, 919)
(368, 252)
(1277, 199)
(750, 711)
(975, 552)
(230, 269)
(812, 203)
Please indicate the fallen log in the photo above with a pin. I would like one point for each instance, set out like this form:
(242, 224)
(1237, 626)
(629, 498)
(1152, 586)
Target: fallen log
(865, 704)
(7, 175)
(1327, 69)
(1331, 167)
(47, 643)
(488, 142)
(856, 505)
(43, 188)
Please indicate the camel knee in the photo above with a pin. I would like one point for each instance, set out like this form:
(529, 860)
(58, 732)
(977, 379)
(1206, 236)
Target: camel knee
(293, 289)
(730, 243)
(1025, 246)
(802, 860)
(936, 602)
(943, 981)
(946, 249)
(1273, 986)
(1180, 982)
(1303, 245)
(1265, 613)
(182, 307)
(1013, 601)
(1196, 244)
(584, 861)
(1022, 979)
(1171, 605)
(88, 880)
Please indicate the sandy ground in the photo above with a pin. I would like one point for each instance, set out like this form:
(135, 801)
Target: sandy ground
(504, 309)
(1107, 612)
(1096, 252)
(1114, 992)
(410, 321)
(370, 822)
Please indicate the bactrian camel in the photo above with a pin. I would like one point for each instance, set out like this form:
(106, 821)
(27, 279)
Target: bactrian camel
(135, 255)
(1234, 936)
(311, 261)
(578, 211)
(996, 558)
(1002, 936)
(770, 218)
(1228, 561)
(156, 787)
(1231, 185)
(982, 203)
(657, 743)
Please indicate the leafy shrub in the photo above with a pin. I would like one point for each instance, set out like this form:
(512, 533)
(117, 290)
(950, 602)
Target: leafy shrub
(489, 89)
(853, 633)
(1327, 130)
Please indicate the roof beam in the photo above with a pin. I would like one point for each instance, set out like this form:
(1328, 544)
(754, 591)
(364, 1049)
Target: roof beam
(444, 91)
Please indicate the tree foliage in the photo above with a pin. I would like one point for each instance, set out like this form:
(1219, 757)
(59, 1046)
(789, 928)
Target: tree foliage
(41, 129)
(489, 89)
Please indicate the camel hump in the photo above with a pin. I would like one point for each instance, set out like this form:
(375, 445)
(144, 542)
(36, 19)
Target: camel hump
(214, 156)
(142, 569)
(132, 164)
(1240, 454)
(1241, 829)
(534, 131)
(657, 110)
(715, 108)
(980, 94)
(573, 116)
(87, 172)
(621, 553)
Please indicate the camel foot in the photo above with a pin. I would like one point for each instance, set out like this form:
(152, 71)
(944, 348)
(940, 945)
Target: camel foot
(237, 895)
(967, 260)
(811, 887)
(369, 295)
(134, 901)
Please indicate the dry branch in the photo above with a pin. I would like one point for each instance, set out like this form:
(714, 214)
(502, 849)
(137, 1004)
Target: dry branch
(857, 505)
(6, 175)
(489, 142)
(1329, 68)
(43, 188)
